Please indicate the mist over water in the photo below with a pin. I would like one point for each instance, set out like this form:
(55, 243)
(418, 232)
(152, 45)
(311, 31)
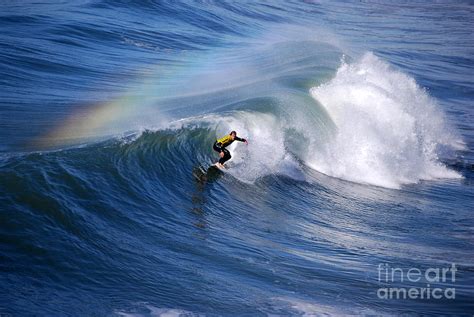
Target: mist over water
(360, 153)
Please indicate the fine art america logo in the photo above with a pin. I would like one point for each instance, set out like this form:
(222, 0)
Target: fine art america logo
(431, 283)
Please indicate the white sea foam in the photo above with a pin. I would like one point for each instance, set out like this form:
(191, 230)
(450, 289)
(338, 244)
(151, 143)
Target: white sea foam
(307, 308)
(389, 131)
(157, 312)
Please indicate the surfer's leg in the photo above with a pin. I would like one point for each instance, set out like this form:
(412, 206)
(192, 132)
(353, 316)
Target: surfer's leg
(219, 150)
(222, 160)
(226, 157)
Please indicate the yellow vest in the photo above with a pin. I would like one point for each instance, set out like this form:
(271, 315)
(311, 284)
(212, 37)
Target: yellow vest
(225, 141)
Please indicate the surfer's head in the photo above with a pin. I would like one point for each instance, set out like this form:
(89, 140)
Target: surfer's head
(233, 134)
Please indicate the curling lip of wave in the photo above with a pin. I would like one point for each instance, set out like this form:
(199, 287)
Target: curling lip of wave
(389, 132)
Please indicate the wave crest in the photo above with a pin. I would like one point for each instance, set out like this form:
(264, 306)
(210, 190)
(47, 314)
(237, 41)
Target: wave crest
(389, 132)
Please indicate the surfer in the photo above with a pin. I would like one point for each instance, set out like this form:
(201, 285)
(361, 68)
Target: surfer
(221, 144)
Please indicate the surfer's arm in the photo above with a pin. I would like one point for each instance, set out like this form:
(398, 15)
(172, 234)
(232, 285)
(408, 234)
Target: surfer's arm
(241, 139)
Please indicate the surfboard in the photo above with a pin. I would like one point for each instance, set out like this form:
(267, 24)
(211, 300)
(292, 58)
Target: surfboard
(215, 165)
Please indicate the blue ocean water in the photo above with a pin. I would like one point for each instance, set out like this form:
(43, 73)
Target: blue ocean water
(359, 166)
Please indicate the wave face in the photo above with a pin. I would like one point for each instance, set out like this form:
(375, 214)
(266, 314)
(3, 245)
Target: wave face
(359, 121)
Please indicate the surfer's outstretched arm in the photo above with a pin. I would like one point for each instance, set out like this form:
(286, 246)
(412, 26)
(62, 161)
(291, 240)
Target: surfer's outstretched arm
(242, 140)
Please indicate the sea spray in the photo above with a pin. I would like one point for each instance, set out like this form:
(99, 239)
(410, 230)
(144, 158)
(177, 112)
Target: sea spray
(390, 132)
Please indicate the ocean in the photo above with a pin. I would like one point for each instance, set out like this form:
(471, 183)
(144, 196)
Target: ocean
(354, 195)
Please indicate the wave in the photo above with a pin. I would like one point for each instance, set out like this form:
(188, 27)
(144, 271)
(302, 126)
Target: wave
(369, 124)
(389, 131)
